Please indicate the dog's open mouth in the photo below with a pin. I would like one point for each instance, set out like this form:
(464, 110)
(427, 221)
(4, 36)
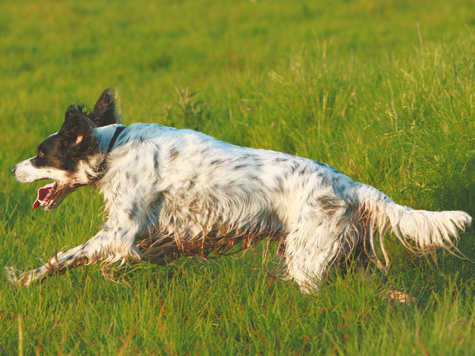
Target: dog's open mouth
(51, 195)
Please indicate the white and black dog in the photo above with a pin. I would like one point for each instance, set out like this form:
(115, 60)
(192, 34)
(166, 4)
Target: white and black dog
(171, 193)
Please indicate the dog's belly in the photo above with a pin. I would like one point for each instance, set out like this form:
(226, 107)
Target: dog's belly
(187, 231)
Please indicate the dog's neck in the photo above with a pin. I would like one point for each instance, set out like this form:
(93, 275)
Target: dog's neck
(106, 140)
(117, 132)
(106, 137)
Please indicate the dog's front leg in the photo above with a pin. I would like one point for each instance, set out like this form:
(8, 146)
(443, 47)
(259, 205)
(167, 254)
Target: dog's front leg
(109, 245)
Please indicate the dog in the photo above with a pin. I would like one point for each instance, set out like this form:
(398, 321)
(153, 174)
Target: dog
(170, 193)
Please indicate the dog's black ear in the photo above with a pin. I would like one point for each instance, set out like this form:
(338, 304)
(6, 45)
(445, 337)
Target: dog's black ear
(77, 130)
(107, 109)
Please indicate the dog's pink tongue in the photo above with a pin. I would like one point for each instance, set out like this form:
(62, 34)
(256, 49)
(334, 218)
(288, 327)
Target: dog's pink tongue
(42, 194)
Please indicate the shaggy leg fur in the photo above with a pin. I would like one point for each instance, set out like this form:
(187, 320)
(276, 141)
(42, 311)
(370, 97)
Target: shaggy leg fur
(355, 220)
(311, 250)
(108, 246)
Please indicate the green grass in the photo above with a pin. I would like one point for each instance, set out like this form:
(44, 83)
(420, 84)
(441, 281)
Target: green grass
(381, 90)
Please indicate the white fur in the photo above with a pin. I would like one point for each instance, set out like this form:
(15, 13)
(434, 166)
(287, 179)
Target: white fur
(27, 173)
(172, 192)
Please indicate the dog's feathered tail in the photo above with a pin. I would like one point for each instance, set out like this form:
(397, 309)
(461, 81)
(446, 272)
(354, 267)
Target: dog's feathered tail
(427, 229)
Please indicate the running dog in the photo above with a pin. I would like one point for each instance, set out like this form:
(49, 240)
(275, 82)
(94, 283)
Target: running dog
(171, 193)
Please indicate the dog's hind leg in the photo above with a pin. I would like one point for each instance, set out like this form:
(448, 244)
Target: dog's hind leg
(309, 253)
(309, 274)
(108, 246)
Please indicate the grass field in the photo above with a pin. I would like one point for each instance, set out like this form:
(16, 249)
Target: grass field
(381, 90)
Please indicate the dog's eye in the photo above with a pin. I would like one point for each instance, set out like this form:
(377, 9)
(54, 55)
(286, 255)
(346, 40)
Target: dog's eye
(41, 154)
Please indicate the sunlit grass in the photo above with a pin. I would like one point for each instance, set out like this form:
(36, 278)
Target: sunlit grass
(382, 91)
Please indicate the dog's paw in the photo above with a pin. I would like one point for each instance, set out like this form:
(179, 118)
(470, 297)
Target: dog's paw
(20, 278)
(13, 275)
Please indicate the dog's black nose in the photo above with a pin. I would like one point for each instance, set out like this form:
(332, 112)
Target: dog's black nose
(14, 168)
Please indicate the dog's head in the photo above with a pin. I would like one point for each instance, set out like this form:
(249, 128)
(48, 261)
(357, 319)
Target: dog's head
(68, 157)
